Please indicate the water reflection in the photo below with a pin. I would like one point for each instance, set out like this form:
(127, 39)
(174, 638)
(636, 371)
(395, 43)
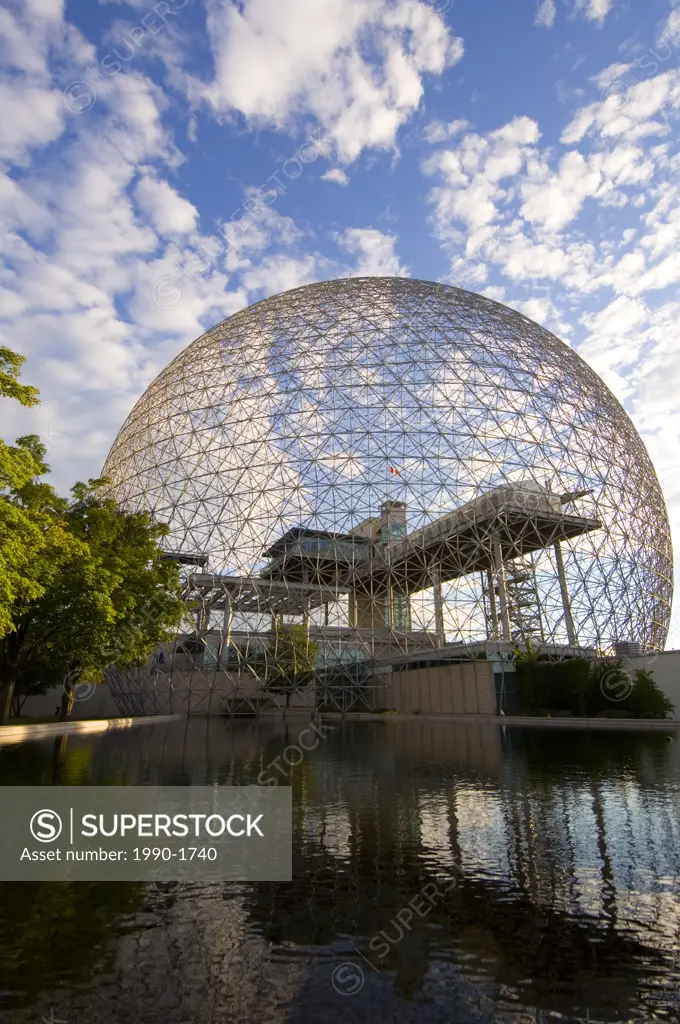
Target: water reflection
(563, 846)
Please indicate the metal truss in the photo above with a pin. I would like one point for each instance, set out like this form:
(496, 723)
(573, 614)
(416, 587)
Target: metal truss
(410, 471)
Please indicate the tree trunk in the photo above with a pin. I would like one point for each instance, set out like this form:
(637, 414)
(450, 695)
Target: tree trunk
(6, 694)
(68, 698)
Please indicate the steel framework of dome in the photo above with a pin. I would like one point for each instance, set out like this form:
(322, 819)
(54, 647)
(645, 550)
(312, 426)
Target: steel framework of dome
(410, 472)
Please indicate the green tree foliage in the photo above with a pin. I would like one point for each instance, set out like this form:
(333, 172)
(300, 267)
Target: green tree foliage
(108, 596)
(290, 660)
(529, 653)
(24, 529)
(10, 371)
(588, 688)
(82, 583)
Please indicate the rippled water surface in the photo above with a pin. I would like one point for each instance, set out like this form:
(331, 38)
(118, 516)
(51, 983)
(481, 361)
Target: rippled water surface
(542, 870)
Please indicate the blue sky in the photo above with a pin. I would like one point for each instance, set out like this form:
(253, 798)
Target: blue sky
(165, 164)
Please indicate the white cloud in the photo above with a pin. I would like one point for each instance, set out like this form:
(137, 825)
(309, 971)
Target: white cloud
(374, 252)
(556, 200)
(612, 73)
(278, 59)
(627, 109)
(438, 131)
(169, 213)
(280, 273)
(594, 10)
(31, 117)
(33, 110)
(542, 310)
(337, 175)
(545, 15)
(474, 171)
(670, 33)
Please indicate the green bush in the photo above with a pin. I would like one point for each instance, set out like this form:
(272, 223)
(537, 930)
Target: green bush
(585, 688)
(646, 699)
(547, 686)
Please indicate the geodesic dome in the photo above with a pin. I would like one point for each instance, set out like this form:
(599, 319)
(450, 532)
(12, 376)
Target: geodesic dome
(438, 464)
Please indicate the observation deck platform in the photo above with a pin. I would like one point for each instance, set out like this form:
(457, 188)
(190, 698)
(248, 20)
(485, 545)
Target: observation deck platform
(521, 521)
(254, 594)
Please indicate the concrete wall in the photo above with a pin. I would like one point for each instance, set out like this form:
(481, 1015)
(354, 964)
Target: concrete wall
(150, 691)
(464, 689)
(665, 669)
(97, 702)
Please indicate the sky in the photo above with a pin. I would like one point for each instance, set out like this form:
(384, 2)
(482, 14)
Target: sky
(163, 165)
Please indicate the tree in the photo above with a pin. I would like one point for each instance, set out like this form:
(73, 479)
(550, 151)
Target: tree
(71, 613)
(22, 533)
(82, 583)
(647, 700)
(291, 659)
(530, 653)
(144, 587)
(108, 596)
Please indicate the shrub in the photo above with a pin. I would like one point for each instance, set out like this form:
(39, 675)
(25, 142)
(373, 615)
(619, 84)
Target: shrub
(610, 688)
(547, 686)
(646, 699)
(604, 689)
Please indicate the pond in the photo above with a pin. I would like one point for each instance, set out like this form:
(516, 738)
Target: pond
(442, 872)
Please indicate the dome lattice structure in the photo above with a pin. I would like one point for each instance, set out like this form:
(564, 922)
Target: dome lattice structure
(400, 467)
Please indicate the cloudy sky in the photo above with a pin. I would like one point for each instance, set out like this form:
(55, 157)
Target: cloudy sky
(165, 164)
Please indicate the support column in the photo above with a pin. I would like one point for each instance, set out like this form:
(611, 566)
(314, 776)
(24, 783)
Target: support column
(226, 628)
(438, 608)
(502, 589)
(325, 613)
(203, 618)
(228, 617)
(568, 619)
(352, 610)
(491, 587)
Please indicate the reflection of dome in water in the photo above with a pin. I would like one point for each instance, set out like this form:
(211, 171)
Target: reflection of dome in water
(358, 413)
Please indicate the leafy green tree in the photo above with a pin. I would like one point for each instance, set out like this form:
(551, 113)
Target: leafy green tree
(82, 582)
(113, 598)
(647, 700)
(70, 613)
(290, 660)
(144, 586)
(20, 462)
(22, 530)
(530, 653)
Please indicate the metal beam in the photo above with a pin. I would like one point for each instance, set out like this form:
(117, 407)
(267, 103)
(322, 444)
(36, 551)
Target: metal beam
(502, 589)
(566, 604)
